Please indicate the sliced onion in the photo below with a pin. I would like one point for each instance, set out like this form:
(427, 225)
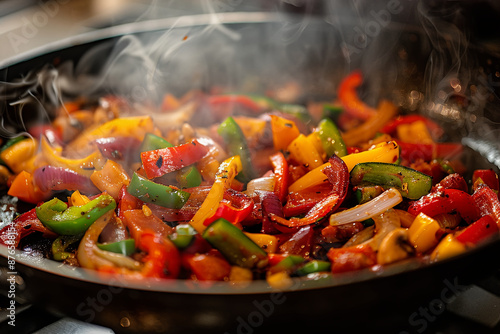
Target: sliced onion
(260, 184)
(360, 237)
(60, 178)
(119, 148)
(86, 256)
(385, 201)
(119, 260)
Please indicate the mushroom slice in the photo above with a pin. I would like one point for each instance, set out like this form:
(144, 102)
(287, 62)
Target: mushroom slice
(395, 247)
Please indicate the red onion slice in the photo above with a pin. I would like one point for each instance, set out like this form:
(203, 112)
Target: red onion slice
(60, 178)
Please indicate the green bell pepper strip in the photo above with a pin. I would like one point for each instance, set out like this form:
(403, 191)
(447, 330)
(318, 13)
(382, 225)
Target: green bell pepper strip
(411, 183)
(331, 139)
(151, 192)
(60, 245)
(296, 110)
(236, 142)
(367, 193)
(234, 245)
(73, 220)
(313, 266)
(125, 247)
(153, 142)
(189, 177)
(183, 235)
(288, 264)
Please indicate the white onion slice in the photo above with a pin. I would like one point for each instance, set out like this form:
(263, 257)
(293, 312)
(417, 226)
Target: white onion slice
(260, 184)
(385, 201)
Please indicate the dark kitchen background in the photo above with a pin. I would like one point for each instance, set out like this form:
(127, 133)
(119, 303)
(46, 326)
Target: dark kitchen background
(27, 25)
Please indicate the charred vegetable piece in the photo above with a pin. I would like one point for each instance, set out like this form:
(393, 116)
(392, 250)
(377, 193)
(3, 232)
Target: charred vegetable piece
(125, 247)
(236, 247)
(411, 183)
(313, 266)
(56, 215)
(60, 245)
(151, 192)
(237, 145)
(183, 235)
(165, 160)
(331, 139)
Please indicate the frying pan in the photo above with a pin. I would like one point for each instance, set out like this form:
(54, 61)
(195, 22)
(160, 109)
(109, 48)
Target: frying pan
(251, 52)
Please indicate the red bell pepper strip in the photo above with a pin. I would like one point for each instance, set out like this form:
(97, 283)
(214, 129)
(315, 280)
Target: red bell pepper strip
(338, 175)
(126, 201)
(163, 259)
(281, 175)
(23, 226)
(236, 211)
(479, 230)
(488, 176)
(451, 201)
(299, 203)
(207, 267)
(413, 152)
(487, 202)
(162, 161)
(349, 98)
(433, 127)
(452, 181)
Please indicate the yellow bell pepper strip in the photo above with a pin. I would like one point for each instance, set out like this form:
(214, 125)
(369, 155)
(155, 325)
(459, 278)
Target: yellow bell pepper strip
(228, 170)
(18, 155)
(384, 152)
(448, 247)
(24, 188)
(236, 247)
(136, 127)
(151, 192)
(77, 198)
(267, 242)
(111, 178)
(9, 143)
(415, 132)
(423, 233)
(348, 96)
(64, 220)
(284, 132)
(411, 183)
(304, 152)
(434, 129)
(236, 143)
(367, 130)
(162, 161)
(84, 166)
(331, 138)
